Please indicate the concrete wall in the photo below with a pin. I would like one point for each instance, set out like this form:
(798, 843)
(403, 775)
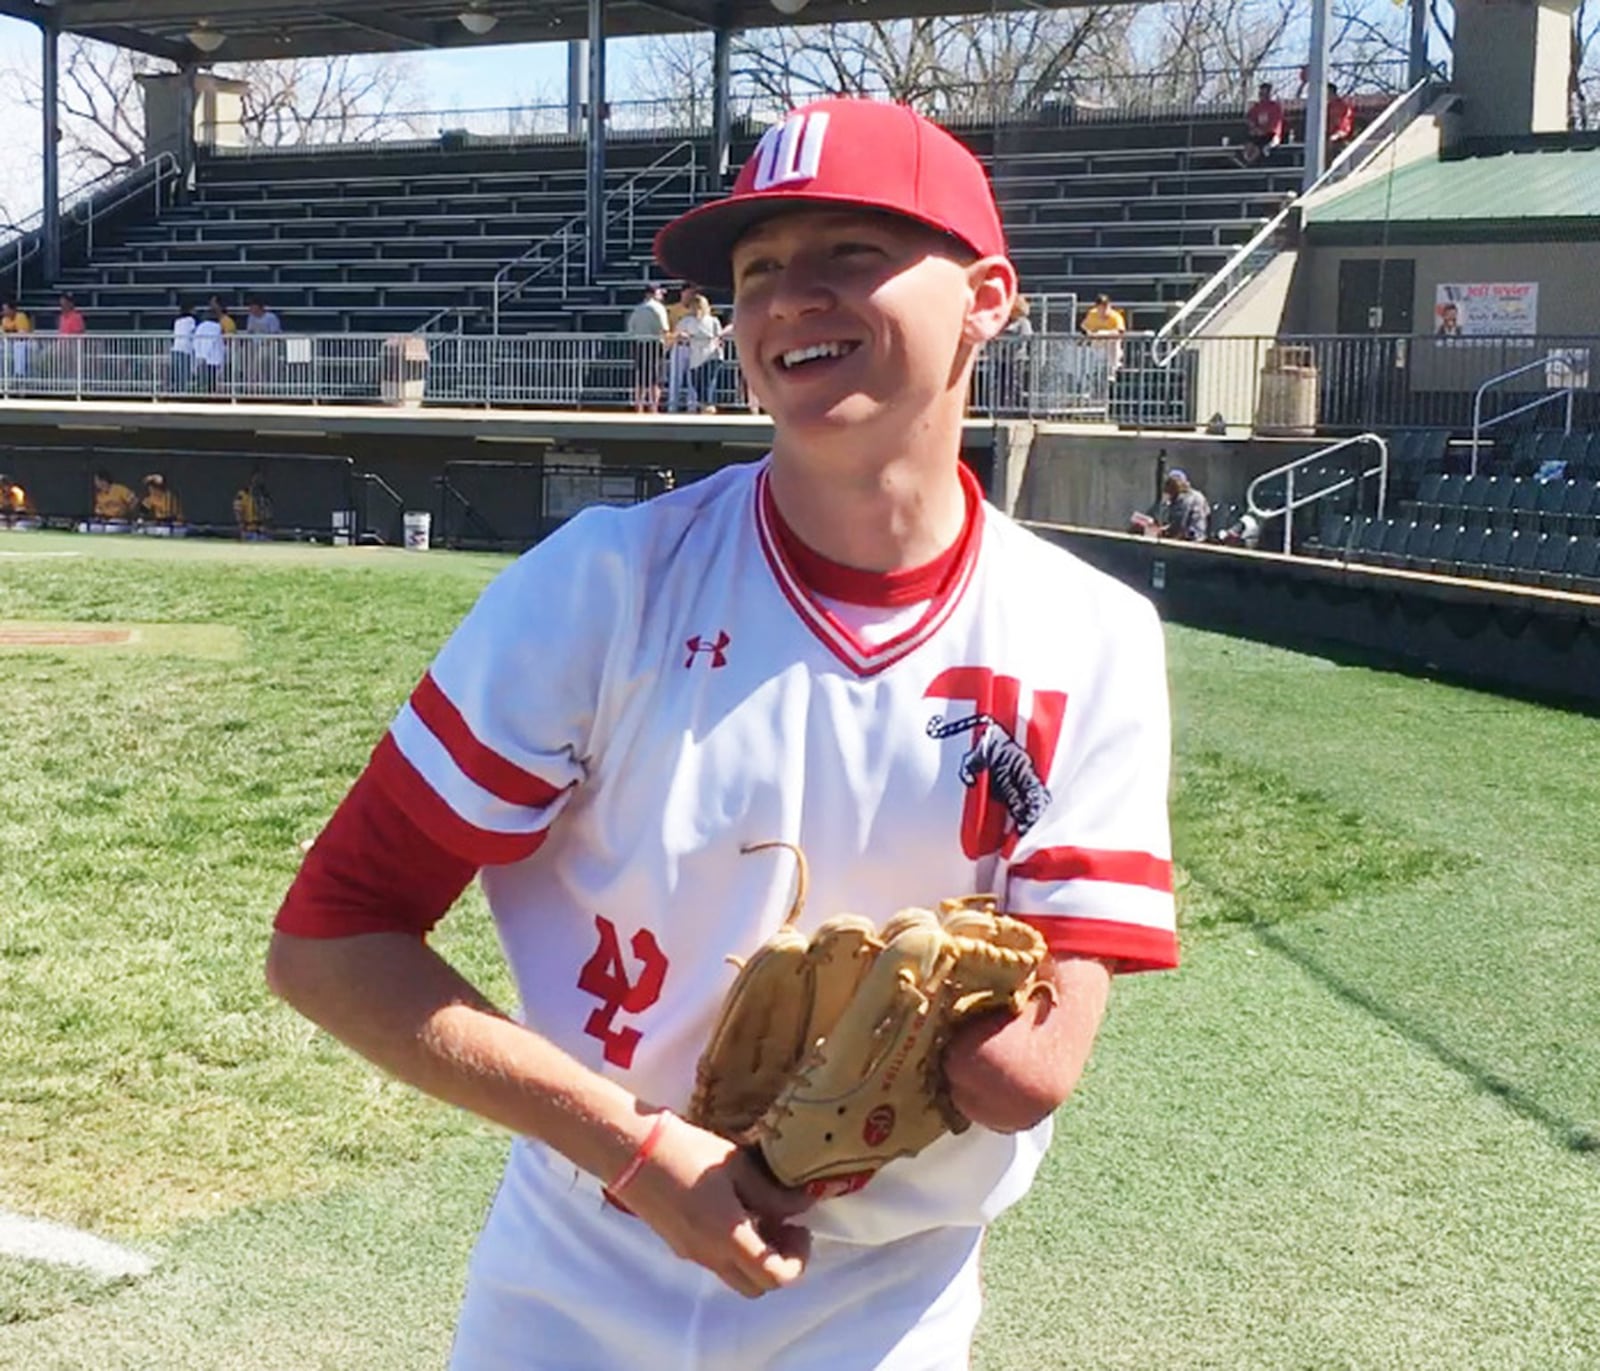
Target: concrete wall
(1511, 65)
(1098, 481)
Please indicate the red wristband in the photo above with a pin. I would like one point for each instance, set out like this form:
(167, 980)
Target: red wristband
(636, 1162)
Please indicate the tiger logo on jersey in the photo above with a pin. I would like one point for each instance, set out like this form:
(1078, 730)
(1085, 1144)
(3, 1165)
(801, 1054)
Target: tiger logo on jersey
(1008, 753)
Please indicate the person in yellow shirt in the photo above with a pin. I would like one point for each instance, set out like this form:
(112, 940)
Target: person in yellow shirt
(114, 505)
(223, 317)
(16, 509)
(14, 321)
(1106, 325)
(1104, 318)
(159, 504)
(252, 509)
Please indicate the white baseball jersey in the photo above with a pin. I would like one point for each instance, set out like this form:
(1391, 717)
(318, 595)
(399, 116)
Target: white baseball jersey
(653, 688)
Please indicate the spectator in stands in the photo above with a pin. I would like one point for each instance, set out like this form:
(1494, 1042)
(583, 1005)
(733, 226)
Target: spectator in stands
(699, 338)
(1106, 325)
(209, 350)
(1185, 513)
(182, 356)
(252, 509)
(114, 505)
(16, 509)
(1012, 358)
(1263, 127)
(15, 322)
(160, 510)
(681, 306)
(260, 319)
(229, 327)
(1341, 121)
(70, 322)
(648, 335)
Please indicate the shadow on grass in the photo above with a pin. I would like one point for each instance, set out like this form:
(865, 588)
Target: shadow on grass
(1565, 1132)
(1255, 850)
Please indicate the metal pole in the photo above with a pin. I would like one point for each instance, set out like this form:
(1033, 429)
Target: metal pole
(721, 120)
(1417, 53)
(1316, 95)
(595, 165)
(50, 232)
(577, 86)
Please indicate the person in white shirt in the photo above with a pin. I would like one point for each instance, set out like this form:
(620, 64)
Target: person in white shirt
(699, 335)
(209, 351)
(647, 331)
(181, 371)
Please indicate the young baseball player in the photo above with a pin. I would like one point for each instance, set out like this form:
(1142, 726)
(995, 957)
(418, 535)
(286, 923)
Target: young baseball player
(840, 647)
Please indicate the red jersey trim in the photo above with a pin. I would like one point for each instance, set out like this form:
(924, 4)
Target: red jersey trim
(866, 659)
(482, 765)
(422, 805)
(1096, 864)
(884, 589)
(1133, 947)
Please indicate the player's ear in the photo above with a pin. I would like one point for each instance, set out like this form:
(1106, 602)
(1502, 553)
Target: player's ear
(992, 282)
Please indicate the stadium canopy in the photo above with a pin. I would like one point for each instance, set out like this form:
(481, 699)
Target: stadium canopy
(251, 30)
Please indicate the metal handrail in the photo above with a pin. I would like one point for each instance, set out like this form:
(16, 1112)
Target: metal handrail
(1478, 425)
(85, 206)
(566, 232)
(1341, 167)
(1288, 469)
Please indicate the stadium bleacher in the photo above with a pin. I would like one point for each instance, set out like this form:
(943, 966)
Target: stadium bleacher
(370, 240)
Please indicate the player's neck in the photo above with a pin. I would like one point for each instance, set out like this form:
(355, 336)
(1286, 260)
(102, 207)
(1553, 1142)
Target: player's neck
(879, 516)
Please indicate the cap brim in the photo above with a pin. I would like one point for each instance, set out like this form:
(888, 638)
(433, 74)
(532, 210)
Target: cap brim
(697, 246)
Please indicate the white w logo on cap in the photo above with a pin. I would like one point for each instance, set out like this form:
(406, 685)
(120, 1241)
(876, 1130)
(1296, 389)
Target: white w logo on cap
(790, 151)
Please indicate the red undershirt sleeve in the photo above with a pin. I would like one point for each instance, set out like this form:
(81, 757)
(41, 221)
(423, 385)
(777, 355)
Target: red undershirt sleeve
(372, 870)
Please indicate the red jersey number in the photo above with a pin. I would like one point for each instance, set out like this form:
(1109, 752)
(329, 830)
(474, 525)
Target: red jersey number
(605, 976)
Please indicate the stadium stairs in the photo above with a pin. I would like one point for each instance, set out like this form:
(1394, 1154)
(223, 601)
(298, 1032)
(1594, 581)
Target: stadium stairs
(381, 239)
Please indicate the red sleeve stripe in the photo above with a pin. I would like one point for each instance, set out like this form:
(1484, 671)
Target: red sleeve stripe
(480, 846)
(482, 765)
(1133, 947)
(1096, 864)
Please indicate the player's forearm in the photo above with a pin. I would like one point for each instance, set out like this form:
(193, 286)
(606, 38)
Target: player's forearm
(1010, 1074)
(398, 1003)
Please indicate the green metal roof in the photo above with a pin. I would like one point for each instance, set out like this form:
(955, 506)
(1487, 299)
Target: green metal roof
(1562, 184)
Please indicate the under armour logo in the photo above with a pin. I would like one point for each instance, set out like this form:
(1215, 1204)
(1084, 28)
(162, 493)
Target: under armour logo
(790, 151)
(717, 647)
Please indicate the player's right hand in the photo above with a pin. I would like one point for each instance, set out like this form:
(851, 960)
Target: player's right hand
(712, 1204)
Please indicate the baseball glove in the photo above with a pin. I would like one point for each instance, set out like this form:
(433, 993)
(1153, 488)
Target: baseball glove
(827, 1054)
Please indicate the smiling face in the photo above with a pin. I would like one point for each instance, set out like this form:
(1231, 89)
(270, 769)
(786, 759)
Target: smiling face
(864, 324)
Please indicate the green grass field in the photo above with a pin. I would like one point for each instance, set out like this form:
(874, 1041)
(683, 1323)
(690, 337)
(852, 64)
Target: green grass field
(1359, 1129)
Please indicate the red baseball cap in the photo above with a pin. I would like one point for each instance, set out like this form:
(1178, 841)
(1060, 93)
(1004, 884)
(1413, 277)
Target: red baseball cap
(861, 154)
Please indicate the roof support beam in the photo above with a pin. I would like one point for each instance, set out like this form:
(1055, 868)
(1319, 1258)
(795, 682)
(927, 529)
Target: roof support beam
(405, 32)
(24, 9)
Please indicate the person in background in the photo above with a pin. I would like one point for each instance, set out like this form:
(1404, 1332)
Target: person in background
(114, 505)
(229, 327)
(260, 319)
(16, 509)
(1014, 356)
(181, 376)
(699, 337)
(15, 322)
(70, 323)
(647, 334)
(159, 506)
(1263, 127)
(1105, 324)
(209, 350)
(1185, 513)
(1341, 120)
(252, 509)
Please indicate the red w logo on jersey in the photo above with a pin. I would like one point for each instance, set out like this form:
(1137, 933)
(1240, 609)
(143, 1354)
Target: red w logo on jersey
(1007, 758)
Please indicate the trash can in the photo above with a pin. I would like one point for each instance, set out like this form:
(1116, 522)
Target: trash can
(1287, 403)
(418, 530)
(404, 369)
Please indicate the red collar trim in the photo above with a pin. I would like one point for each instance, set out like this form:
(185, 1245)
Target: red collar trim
(802, 579)
(883, 589)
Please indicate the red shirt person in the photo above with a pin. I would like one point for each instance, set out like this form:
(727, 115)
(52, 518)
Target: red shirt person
(1263, 125)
